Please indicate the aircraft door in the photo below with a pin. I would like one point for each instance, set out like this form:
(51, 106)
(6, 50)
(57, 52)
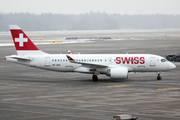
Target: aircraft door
(152, 61)
(47, 62)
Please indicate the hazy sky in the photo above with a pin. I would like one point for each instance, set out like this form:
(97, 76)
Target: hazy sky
(84, 6)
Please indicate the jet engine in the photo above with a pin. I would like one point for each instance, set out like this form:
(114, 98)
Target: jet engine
(120, 72)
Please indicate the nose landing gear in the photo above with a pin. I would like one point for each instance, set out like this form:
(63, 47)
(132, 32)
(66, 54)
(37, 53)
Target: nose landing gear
(159, 77)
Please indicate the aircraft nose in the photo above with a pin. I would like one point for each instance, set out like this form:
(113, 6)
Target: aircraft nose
(172, 66)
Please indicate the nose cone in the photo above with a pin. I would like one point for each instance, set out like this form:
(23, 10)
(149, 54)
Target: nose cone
(172, 66)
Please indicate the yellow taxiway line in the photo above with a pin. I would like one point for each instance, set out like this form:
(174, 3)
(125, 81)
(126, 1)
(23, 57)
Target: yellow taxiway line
(169, 89)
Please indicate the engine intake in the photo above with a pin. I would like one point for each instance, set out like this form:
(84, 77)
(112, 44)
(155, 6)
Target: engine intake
(120, 72)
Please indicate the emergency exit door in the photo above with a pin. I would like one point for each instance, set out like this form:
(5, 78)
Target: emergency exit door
(47, 61)
(152, 62)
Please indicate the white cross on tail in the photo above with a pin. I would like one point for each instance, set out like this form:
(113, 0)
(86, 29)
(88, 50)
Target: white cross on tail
(21, 40)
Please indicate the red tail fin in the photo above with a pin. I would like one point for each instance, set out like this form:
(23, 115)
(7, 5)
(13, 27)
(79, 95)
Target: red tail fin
(21, 40)
(22, 43)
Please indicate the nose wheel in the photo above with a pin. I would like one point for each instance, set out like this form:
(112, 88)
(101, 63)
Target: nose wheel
(94, 78)
(159, 77)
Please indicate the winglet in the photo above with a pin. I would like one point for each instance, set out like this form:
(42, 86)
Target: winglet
(70, 52)
(71, 59)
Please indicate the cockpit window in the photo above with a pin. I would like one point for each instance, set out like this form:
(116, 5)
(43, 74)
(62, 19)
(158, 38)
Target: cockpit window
(163, 60)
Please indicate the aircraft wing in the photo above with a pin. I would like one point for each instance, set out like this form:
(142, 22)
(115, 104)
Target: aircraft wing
(86, 64)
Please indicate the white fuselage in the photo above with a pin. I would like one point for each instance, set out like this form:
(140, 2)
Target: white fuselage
(134, 62)
(113, 65)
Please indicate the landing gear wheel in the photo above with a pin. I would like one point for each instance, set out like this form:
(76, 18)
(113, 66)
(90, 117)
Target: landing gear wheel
(95, 78)
(159, 77)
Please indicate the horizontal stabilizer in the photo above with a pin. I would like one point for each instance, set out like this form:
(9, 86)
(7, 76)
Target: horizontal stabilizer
(19, 58)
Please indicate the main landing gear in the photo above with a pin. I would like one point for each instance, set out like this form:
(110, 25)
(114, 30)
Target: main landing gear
(159, 77)
(94, 78)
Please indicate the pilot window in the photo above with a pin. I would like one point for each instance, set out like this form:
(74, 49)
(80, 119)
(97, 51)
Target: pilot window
(163, 60)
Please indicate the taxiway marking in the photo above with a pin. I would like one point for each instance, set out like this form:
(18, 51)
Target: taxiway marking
(35, 117)
(150, 108)
(169, 89)
(54, 80)
(53, 96)
(49, 114)
(95, 112)
(135, 85)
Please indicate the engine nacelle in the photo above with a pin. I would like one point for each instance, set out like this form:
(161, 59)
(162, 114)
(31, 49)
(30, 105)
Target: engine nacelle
(120, 72)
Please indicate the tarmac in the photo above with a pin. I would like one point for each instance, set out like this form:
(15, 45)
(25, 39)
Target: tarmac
(28, 93)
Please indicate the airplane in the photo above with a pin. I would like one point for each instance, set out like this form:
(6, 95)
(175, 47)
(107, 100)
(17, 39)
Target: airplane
(115, 66)
(70, 52)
